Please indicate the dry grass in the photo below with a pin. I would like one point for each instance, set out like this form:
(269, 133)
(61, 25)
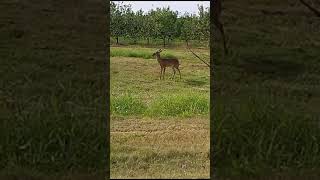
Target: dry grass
(160, 148)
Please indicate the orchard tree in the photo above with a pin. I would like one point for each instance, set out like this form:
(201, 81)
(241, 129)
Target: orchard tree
(118, 22)
(203, 23)
(165, 20)
(149, 26)
(115, 21)
(135, 25)
(139, 24)
(178, 27)
(132, 25)
(188, 28)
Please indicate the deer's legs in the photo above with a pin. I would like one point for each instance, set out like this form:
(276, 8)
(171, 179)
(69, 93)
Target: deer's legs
(161, 73)
(179, 72)
(220, 27)
(174, 72)
(164, 70)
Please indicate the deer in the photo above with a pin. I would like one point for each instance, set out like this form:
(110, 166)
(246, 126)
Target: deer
(167, 62)
(217, 9)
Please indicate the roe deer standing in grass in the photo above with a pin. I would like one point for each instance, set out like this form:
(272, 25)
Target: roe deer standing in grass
(167, 62)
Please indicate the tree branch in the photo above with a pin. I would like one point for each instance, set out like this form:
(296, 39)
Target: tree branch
(198, 56)
(314, 10)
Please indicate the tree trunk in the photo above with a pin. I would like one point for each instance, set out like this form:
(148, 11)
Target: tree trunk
(169, 40)
(187, 42)
(148, 40)
(164, 42)
(117, 40)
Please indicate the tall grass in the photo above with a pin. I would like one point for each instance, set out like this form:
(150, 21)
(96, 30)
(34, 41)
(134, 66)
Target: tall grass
(261, 135)
(131, 53)
(184, 105)
(137, 53)
(127, 105)
(52, 118)
(173, 105)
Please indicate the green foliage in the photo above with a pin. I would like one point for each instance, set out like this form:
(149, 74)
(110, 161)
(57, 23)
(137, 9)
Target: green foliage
(161, 23)
(165, 23)
(188, 27)
(118, 21)
(203, 24)
(148, 26)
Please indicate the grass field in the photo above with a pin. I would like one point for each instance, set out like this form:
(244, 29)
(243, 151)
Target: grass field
(267, 98)
(159, 128)
(52, 92)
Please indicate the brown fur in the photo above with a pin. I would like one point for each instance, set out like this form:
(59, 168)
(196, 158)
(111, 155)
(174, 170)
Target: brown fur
(167, 62)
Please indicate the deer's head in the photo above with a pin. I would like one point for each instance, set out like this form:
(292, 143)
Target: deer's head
(157, 53)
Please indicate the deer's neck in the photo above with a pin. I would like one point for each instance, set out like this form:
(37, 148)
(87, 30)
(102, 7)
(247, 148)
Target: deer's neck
(159, 59)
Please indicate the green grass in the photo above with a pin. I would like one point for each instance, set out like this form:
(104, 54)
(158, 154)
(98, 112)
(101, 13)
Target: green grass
(275, 138)
(131, 53)
(127, 105)
(184, 105)
(266, 120)
(159, 128)
(173, 105)
(52, 113)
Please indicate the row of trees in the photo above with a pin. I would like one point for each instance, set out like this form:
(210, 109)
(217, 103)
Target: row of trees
(161, 23)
